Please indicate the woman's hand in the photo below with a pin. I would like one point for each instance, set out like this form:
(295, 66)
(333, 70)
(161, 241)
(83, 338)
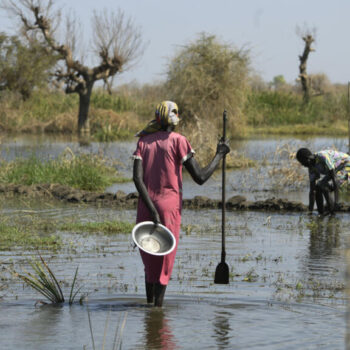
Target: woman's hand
(155, 217)
(223, 147)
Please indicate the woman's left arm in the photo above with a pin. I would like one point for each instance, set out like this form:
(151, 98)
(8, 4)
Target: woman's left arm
(142, 190)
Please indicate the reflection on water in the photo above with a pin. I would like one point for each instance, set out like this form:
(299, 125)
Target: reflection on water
(222, 329)
(183, 324)
(324, 236)
(157, 330)
(43, 326)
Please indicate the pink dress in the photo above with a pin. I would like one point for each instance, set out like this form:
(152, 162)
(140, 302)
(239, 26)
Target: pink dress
(162, 154)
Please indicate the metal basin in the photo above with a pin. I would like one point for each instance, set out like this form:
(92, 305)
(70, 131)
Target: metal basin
(152, 239)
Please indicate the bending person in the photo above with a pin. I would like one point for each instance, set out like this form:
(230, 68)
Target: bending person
(328, 170)
(157, 174)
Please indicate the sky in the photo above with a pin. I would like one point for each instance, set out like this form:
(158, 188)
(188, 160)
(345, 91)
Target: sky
(266, 27)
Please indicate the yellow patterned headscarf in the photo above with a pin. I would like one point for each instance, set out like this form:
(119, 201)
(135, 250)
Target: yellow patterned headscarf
(167, 113)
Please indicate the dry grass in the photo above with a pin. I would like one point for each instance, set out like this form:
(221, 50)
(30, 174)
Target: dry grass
(205, 143)
(286, 172)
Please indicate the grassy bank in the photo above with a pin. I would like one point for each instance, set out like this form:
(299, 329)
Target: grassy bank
(85, 172)
(122, 114)
(279, 113)
(339, 128)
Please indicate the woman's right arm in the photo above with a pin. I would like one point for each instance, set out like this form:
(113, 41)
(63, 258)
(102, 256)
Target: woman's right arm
(142, 190)
(201, 175)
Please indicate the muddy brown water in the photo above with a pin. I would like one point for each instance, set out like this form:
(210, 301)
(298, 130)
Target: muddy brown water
(286, 290)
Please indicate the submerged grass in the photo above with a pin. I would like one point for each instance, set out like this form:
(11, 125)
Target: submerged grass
(85, 172)
(32, 232)
(17, 236)
(106, 227)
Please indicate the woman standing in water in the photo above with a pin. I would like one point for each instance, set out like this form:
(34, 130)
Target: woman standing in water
(157, 174)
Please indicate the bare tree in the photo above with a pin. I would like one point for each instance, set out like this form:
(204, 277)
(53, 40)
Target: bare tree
(116, 42)
(309, 37)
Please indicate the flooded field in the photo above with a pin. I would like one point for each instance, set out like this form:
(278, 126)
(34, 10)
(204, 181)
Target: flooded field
(261, 182)
(287, 272)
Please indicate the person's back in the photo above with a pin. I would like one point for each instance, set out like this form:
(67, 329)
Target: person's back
(163, 154)
(333, 159)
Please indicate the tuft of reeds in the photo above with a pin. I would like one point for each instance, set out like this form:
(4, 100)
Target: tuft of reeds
(45, 282)
(73, 293)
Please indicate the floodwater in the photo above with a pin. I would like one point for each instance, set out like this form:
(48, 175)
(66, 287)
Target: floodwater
(270, 154)
(287, 275)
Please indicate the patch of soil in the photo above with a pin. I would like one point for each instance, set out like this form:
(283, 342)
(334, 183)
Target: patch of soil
(123, 200)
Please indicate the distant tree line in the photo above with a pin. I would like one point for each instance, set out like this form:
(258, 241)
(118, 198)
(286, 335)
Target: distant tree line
(205, 76)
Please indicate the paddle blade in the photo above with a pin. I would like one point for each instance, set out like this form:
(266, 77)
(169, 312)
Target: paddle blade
(221, 274)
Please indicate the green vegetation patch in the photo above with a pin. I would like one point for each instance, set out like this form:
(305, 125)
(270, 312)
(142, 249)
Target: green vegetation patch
(14, 237)
(106, 227)
(116, 103)
(85, 172)
(336, 129)
(277, 110)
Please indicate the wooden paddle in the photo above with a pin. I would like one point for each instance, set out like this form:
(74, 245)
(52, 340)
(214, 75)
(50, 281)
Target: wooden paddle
(222, 270)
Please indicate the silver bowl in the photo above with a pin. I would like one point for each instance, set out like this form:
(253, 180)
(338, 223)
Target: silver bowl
(152, 239)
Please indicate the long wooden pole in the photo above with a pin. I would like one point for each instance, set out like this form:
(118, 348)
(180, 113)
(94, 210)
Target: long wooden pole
(223, 196)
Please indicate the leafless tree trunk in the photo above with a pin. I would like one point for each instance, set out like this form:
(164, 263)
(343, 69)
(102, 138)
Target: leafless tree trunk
(84, 103)
(117, 44)
(308, 39)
